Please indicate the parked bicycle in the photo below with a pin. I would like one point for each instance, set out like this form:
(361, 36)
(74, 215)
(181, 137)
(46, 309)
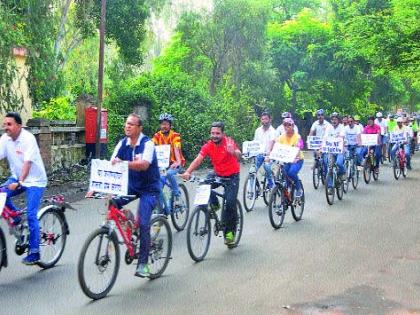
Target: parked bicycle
(254, 186)
(53, 231)
(178, 208)
(200, 228)
(282, 197)
(99, 259)
(333, 182)
(399, 164)
(369, 169)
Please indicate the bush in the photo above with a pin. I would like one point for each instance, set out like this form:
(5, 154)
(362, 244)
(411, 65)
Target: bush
(59, 108)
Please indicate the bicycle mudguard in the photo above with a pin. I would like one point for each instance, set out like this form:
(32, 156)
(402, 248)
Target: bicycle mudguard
(60, 212)
(4, 260)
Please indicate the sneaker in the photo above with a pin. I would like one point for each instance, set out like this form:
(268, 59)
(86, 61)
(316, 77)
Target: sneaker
(31, 259)
(229, 239)
(299, 193)
(377, 170)
(142, 271)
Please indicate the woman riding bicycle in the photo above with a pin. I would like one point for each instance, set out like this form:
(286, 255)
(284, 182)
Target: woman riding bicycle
(293, 139)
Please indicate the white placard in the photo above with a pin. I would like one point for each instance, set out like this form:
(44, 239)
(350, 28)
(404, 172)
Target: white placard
(252, 148)
(314, 142)
(333, 145)
(284, 153)
(369, 139)
(398, 137)
(3, 197)
(163, 154)
(108, 178)
(202, 195)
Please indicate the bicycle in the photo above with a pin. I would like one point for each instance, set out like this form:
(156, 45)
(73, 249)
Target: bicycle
(101, 250)
(352, 173)
(53, 231)
(399, 164)
(199, 226)
(337, 185)
(369, 166)
(318, 171)
(178, 209)
(254, 187)
(282, 197)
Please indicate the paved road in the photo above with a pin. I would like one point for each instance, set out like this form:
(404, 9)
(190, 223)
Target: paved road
(359, 256)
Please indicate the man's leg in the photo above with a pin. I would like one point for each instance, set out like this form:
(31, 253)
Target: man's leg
(269, 174)
(146, 204)
(340, 164)
(171, 175)
(378, 155)
(394, 151)
(229, 215)
(33, 201)
(407, 152)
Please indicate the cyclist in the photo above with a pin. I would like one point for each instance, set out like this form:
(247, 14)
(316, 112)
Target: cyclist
(357, 122)
(28, 175)
(265, 134)
(224, 155)
(345, 121)
(372, 128)
(293, 139)
(392, 124)
(143, 181)
(351, 134)
(383, 124)
(336, 130)
(401, 128)
(280, 129)
(318, 129)
(166, 135)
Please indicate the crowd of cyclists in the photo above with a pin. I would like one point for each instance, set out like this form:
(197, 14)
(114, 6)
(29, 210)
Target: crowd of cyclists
(145, 178)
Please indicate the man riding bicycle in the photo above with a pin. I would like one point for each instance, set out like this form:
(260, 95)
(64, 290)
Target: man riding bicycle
(351, 134)
(143, 181)
(318, 129)
(28, 175)
(401, 128)
(383, 124)
(224, 155)
(167, 136)
(266, 135)
(372, 128)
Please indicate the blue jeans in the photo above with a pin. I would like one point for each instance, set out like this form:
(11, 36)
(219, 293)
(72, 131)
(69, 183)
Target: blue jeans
(292, 170)
(33, 201)
(173, 185)
(324, 161)
(146, 205)
(354, 150)
(339, 161)
(259, 160)
(406, 151)
(378, 154)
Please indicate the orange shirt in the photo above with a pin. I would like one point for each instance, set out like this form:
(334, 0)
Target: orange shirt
(173, 139)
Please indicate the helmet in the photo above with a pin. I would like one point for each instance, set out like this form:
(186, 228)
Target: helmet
(400, 120)
(335, 114)
(320, 112)
(378, 115)
(167, 117)
(286, 115)
(288, 121)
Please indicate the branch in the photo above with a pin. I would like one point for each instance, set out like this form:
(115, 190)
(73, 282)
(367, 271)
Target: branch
(77, 39)
(61, 30)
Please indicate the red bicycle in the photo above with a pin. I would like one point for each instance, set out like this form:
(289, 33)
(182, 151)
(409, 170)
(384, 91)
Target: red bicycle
(53, 229)
(99, 259)
(399, 164)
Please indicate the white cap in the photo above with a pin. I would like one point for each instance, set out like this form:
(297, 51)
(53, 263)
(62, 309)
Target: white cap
(400, 119)
(379, 115)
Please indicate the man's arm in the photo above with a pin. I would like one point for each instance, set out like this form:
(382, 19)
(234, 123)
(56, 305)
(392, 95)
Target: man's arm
(193, 166)
(142, 162)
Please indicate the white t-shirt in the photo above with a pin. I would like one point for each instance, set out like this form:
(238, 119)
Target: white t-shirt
(24, 148)
(383, 124)
(350, 134)
(334, 132)
(280, 130)
(265, 137)
(319, 129)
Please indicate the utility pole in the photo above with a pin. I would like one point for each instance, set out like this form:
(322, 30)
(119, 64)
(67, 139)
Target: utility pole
(100, 78)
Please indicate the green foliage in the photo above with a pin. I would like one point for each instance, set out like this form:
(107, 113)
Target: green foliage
(60, 108)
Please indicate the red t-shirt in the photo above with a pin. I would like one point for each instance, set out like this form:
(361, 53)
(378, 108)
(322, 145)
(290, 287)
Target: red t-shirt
(224, 163)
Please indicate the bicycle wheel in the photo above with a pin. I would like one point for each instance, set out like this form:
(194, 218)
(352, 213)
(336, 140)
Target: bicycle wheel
(366, 171)
(53, 236)
(239, 224)
(298, 206)
(181, 210)
(250, 192)
(375, 174)
(161, 246)
(99, 263)
(355, 177)
(396, 168)
(3, 259)
(340, 189)
(276, 208)
(329, 191)
(199, 233)
(404, 168)
(315, 175)
(266, 192)
(348, 168)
